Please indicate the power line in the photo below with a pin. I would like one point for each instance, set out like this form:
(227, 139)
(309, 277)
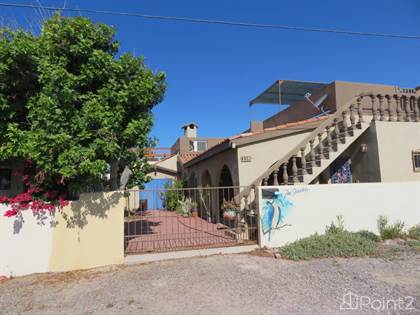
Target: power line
(210, 21)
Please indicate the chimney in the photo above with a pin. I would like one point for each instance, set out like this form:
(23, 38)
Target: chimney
(190, 130)
(257, 126)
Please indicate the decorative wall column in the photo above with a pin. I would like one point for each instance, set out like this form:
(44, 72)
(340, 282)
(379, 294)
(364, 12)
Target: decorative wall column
(398, 107)
(381, 108)
(285, 175)
(328, 139)
(407, 108)
(275, 177)
(390, 111)
(303, 160)
(294, 169)
(352, 117)
(320, 145)
(312, 152)
(416, 109)
(345, 125)
(373, 99)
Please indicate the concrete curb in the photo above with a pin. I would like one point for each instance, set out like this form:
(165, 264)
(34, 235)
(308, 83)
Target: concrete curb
(152, 257)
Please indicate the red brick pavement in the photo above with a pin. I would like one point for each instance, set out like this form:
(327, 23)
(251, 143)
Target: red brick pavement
(158, 230)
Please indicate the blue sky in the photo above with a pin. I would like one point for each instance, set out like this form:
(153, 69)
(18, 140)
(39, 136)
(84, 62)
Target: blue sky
(213, 71)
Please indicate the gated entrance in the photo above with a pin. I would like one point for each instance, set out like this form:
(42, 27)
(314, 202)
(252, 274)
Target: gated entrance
(187, 218)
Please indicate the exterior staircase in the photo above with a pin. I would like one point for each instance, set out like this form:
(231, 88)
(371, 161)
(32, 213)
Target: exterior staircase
(309, 158)
(328, 155)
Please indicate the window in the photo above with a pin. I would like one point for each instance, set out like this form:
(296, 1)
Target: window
(200, 145)
(5, 178)
(416, 161)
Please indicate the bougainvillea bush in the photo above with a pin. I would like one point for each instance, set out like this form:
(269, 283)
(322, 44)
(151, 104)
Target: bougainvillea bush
(35, 198)
(74, 107)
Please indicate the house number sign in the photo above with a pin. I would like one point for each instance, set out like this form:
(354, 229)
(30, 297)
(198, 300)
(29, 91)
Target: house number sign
(246, 158)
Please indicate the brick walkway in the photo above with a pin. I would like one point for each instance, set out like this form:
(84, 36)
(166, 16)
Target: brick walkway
(165, 230)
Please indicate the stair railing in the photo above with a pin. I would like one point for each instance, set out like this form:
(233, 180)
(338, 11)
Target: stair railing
(398, 107)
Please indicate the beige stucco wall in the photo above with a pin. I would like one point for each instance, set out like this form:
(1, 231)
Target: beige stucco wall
(214, 165)
(389, 153)
(170, 163)
(364, 165)
(90, 233)
(345, 91)
(161, 175)
(263, 154)
(396, 141)
(183, 144)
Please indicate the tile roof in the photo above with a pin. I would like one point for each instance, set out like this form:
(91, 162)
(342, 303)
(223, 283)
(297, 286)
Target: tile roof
(186, 157)
(250, 134)
(280, 127)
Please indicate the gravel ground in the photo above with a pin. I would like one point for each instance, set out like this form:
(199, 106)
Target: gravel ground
(228, 284)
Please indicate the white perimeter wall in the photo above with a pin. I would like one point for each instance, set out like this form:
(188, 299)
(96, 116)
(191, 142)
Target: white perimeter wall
(315, 206)
(85, 234)
(24, 248)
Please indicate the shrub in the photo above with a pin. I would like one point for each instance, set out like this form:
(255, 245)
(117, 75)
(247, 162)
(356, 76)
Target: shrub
(368, 235)
(173, 195)
(414, 232)
(185, 206)
(390, 231)
(336, 227)
(340, 244)
(414, 244)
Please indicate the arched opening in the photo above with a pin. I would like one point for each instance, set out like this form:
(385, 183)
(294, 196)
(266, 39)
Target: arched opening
(206, 179)
(226, 190)
(192, 181)
(225, 177)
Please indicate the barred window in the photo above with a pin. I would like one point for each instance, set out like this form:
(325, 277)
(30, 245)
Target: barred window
(416, 161)
(200, 145)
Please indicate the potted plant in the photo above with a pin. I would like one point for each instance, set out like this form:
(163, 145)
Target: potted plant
(194, 209)
(186, 206)
(229, 210)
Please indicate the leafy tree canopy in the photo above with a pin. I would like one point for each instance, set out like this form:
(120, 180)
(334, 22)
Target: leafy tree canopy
(74, 108)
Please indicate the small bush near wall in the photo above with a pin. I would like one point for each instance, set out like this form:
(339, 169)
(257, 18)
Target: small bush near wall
(390, 231)
(335, 227)
(336, 242)
(414, 244)
(414, 232)
(173, 195)
(341, 244)
(369, 235)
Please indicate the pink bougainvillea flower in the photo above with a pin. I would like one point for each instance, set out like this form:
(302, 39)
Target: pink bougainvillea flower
(11, 213)
(34, 199)
(63, 202)
(23, 197)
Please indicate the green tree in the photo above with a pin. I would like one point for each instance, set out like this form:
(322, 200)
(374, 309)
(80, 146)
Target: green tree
(74, 107)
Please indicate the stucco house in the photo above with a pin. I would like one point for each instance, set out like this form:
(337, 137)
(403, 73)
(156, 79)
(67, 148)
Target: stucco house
(167, 164)
(338, 132)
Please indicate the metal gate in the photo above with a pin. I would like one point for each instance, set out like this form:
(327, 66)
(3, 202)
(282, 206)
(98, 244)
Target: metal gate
(185, 218)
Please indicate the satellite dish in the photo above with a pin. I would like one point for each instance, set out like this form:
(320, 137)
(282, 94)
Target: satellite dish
(318, 102)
